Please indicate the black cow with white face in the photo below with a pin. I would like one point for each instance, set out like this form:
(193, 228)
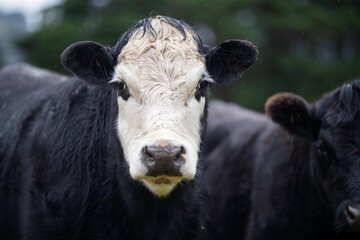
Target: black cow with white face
(302, 183)
(113, 152)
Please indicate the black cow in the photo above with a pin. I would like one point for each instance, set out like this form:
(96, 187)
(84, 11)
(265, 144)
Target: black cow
(112, 152)
(303, 183)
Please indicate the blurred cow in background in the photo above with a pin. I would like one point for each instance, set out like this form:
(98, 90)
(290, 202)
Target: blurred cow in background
(301, 183)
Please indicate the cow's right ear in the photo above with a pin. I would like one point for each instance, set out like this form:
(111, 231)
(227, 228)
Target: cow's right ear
(293, 113)
(230, 59)
(89, 61)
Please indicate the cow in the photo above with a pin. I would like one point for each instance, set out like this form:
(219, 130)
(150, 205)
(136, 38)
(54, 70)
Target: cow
(114, 151)
(295, 177)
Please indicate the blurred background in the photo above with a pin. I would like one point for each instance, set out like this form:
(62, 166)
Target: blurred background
(307, 47)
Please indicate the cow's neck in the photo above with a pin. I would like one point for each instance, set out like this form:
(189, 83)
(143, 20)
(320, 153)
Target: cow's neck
(130, 204)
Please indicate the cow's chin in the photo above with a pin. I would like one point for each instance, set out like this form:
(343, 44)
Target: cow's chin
(161, 186)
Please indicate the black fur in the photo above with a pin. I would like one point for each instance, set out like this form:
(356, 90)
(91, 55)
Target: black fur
(89, 61)
(279, 186)
(341, 106)
(231, 143)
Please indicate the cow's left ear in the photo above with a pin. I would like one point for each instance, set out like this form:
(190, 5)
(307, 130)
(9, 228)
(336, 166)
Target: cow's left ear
(89, 61)
(230, 59)
(293, 113)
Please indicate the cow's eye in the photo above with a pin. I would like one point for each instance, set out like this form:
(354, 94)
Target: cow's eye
(201, 88)
(203, 84)
(122, 89)
(121, 86)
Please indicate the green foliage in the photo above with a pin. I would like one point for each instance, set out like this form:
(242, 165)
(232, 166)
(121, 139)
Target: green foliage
(307, 47)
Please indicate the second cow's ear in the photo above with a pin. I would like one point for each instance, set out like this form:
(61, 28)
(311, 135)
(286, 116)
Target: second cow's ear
(293, 113)
(89, 61)
(230, 59)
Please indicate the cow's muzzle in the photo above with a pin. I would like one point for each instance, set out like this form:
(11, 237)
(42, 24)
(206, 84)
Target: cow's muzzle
(163, 160)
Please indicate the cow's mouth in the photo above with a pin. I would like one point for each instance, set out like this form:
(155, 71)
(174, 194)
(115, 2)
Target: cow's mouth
(163, 179)
(161, 186)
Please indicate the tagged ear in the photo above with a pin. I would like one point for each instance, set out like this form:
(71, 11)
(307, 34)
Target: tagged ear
(230, 59)
(89, 61)
(292, 113)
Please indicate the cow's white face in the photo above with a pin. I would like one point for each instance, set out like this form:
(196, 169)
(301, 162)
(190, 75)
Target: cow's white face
(159, 102)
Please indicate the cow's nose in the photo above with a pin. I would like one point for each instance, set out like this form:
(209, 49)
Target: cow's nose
(163, 160)
(352, 214)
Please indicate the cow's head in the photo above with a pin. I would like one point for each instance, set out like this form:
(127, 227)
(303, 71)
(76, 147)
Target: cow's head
(161, 71)
(333, 125)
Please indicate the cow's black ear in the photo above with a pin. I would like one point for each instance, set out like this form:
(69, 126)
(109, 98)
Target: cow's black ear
(89, 61)
(293, 113)
(230, 59)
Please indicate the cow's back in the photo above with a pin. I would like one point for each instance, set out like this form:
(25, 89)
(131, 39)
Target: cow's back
(24, 88)
(25, 92)
(23, 79)
(224, 118)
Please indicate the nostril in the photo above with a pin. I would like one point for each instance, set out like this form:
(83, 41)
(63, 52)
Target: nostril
(177, 158)
(352, 216)
(148, 152)
(150, 155)
(182, 150)
(353, 213)
(174, 151)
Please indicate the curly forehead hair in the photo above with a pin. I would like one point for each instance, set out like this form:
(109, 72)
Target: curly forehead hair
(147, 28)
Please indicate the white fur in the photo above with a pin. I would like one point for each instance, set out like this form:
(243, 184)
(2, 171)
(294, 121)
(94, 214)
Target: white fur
(162, 75)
